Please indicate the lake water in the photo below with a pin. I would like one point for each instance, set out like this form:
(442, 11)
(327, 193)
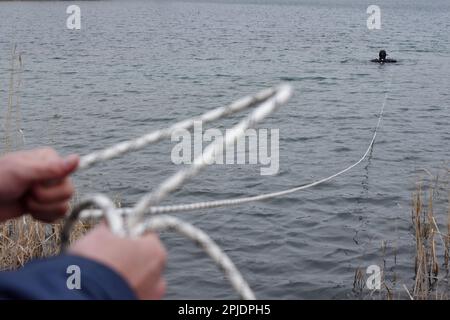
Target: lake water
(138, 66)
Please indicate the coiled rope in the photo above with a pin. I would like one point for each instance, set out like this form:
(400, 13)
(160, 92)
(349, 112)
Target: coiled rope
(147, 216)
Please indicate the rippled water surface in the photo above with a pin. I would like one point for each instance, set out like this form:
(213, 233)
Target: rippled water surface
(138, 66)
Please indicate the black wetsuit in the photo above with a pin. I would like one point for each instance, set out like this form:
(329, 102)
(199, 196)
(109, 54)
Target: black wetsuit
(384, 60)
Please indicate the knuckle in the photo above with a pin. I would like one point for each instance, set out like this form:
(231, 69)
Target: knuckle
(161, 289)
(39, 194)
(47, 150)
(42, 152)
(63, 208)
(54, 170)
(30, 204)
(161, 254)
(69, 190)
(154, 250)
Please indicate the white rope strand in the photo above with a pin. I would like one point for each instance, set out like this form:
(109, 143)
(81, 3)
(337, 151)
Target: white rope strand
(133, 222)
(162, 223)
(281, 96)
(155, 136)
(238, 201)
(146, 215)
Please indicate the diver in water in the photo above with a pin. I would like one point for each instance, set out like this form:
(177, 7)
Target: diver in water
(382, 58)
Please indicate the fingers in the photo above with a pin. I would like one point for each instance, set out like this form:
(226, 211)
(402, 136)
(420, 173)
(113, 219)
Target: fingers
(157, 292)
(155, 256)
(139, 261)
(10, 211)
(48, 203)
(48, 193)
(44, 165)
(71, 163)
(151, 241)
(47, 212)
(151, 246)
(43, 176)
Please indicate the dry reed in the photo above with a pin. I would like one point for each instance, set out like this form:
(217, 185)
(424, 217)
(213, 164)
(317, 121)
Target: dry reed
(431, 267)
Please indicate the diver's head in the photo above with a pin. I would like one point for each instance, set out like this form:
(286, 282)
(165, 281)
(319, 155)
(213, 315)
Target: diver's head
(382, 55)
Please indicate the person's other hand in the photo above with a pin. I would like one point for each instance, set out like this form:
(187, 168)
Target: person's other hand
(36, 182)
(139, 261)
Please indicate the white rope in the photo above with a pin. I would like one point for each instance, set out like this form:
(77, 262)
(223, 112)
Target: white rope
(237, 201)
(158, 135)
(142, 217)
(134, 223)
(280, 96)
(163, 222)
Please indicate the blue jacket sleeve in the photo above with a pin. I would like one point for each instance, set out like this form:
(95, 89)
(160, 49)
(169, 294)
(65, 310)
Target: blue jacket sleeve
(64, 277)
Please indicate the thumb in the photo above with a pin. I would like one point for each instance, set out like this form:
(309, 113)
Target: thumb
(71, 164)
(54, 169)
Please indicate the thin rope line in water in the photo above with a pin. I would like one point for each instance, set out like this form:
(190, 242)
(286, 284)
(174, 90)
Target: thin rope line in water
(237, 201)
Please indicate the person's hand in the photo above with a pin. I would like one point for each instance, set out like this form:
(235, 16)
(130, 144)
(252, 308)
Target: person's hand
(139, 261)
(36, 182)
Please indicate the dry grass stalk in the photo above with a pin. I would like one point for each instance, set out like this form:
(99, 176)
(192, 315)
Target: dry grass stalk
(447, 239)
(24, 239)
(431, 275)
(427, 279)
(13, 138)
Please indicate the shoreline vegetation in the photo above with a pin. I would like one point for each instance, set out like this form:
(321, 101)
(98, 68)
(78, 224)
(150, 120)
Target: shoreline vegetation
(431, 268)
(24, 239)
(430, 204)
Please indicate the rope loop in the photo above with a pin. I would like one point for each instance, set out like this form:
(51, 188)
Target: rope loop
(134, 222)
(147, 216)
